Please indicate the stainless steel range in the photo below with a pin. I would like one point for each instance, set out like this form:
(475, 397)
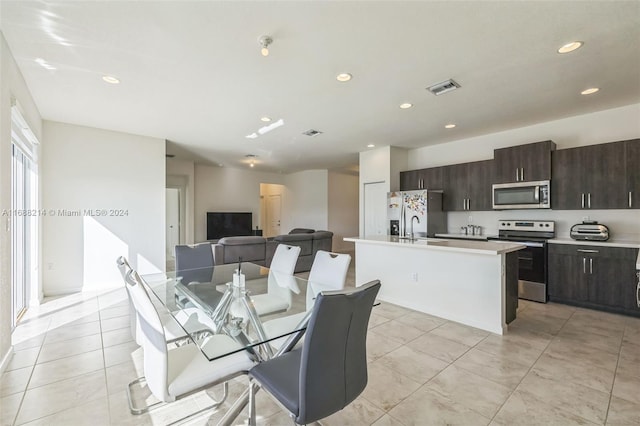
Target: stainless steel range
(532, 260)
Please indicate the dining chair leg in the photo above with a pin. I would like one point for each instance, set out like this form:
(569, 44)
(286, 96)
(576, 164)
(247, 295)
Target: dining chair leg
(252, 404)
(141, 410)
(138, 410)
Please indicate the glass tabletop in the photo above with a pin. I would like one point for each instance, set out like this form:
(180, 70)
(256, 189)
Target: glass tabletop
(254, 308)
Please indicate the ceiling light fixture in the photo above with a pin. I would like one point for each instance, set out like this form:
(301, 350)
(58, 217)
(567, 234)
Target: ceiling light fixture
(344, 77)
(265, 41)
(371, 145)
(265, 119)
(450, 126)
(589, 91)
(270, 127)
(570, 47)
(252, 159)
(110, 79)
(406, 105)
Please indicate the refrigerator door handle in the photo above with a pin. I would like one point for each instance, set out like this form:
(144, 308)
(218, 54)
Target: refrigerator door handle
(402, 224)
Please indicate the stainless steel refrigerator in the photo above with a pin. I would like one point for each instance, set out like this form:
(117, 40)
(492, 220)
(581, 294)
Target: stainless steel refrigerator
(421, 209)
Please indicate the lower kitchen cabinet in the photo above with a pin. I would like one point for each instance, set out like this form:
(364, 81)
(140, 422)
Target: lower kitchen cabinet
(593, 276)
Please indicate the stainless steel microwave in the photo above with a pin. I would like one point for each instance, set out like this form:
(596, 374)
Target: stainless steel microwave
(522, 195)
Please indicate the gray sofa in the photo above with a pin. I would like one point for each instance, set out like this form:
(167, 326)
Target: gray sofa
(309, 241)
(251, 249)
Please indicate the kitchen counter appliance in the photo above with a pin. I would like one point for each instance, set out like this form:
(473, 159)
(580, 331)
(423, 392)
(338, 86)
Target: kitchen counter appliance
(413, 214)
(589, 231)
(532, 260)
(521, 195)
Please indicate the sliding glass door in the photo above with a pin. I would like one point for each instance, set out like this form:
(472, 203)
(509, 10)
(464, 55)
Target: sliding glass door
(24, 223)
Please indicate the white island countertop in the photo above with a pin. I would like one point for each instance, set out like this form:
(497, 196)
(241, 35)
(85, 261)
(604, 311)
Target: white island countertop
(462, 246)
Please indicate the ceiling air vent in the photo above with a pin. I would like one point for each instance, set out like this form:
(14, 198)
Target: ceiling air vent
(444, 87)
(311, 132)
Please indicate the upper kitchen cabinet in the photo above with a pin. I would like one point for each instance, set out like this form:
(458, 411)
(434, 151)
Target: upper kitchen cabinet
(467, 186)
(430, 178)
(591, 177)
(632, 155)
(524, 163)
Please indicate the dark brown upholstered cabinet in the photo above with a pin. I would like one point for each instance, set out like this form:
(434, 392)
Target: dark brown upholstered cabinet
(595, 276)
(430, 178)
(524, 163)
(595, 176)
(467, 186)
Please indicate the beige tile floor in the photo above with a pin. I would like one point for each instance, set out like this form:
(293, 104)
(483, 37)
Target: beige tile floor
(558, 365)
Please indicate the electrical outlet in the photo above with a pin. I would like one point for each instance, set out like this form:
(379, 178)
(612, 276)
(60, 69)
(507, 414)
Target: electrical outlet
(585, 218)
(50, 266)
(414, 276)
(470, 218)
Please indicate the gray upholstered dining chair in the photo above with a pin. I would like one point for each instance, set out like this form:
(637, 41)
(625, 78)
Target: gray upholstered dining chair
(172, 372)
(314, 382)
(193, 263)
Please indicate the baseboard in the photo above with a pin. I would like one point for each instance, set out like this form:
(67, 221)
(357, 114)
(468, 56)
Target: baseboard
(5, 360)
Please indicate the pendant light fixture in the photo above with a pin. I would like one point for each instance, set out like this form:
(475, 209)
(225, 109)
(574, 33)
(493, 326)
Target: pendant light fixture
(265, 41)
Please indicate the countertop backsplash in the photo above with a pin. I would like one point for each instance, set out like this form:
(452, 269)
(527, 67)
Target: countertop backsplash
(624, 225)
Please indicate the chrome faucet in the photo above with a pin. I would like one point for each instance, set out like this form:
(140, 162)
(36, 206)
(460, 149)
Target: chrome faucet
(418, 219)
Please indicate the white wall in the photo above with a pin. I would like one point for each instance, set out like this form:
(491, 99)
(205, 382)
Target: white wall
(588, 129)
(179, 172)
(227, 189)
(343, 209)
(306, 201)
(12, 86)
(90, 169)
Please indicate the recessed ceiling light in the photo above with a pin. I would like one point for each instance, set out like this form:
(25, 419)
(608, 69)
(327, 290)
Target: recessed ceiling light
(371, 145)
(110, 79)
(265, 119)
(570, 47)
(406, 105)
(342, 77)
(589, 91)
(450, 126)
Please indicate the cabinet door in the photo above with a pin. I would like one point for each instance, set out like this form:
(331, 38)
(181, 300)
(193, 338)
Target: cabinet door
(604, 170)
(528, 162)
(409, 180)
(480, 175)
(567, 183)
(632, 156)
(432, 178)
(612, 278)
(455, 187)
(567, 280)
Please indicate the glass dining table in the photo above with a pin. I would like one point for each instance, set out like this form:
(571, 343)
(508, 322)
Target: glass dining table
(216, 300)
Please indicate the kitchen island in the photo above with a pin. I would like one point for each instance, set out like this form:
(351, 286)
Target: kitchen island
(470, 282)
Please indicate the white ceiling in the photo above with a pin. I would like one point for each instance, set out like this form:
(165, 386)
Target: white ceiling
(192, 73)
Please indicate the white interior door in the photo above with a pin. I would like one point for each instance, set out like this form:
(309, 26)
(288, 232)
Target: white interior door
(172, 219)
(375, 208)
(274, 207)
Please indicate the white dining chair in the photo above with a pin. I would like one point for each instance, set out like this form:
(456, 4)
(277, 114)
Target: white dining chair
(328, 273)
(278, 295)
(190, 318)
(172, 372)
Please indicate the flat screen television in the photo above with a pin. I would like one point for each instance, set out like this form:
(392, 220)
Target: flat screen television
(224, 224)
